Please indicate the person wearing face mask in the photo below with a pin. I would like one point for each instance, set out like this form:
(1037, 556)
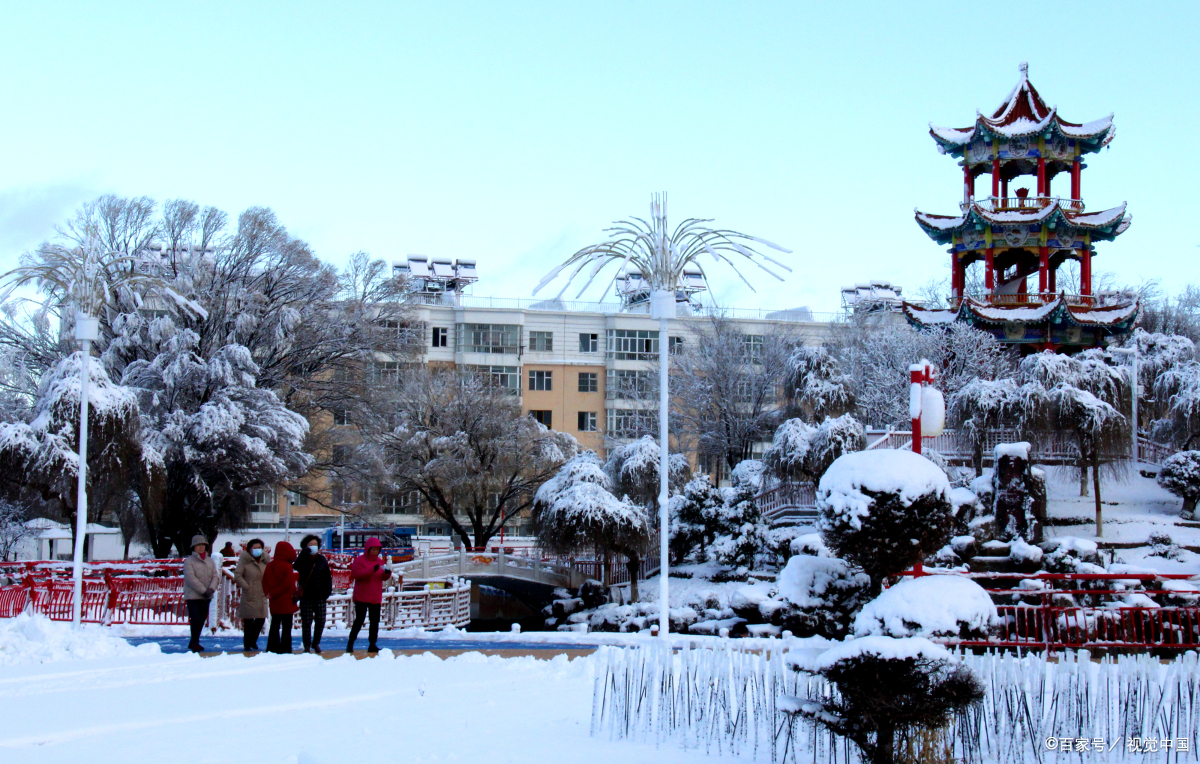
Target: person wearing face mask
(200, 582)
(252, 608)
(279, 585)
(369, 573)
(315, 586)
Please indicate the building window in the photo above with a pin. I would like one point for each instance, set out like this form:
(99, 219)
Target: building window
(627, 424)
(338, 494)
(387, 372)
(488, 338)
(752, 347)
(541, 380)
(589, 343)
(403, 503)
(297, 497)
(628, 384)
(541, 342)
(632, 344)
(674, 345)
(542, 417)
(588, 381)
(506, 377)
(341, 417)
(263, 499)
(587, 421)
(441, 337)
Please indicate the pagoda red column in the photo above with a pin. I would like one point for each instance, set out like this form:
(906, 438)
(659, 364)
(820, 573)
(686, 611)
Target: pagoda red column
(996, 177)
(989, 269)
(1053, 281)
(1041, 180)
(1043, 269)
(968, 183)
(1075, 194)
(1085, 270)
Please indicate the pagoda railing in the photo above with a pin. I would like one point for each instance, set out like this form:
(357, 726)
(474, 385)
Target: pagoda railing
(1032, 300)
(1018, 203)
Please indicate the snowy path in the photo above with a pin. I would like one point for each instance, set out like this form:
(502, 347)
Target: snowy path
(301, 709)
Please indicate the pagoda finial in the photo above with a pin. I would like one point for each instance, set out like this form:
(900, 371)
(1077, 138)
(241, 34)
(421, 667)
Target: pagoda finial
(1024, 67)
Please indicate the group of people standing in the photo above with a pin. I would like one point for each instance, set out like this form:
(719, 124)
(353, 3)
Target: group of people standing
(277, 587)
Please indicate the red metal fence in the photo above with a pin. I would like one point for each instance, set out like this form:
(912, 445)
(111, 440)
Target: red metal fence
(1045, 619)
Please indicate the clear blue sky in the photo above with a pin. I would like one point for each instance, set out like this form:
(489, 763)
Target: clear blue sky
(513, 134)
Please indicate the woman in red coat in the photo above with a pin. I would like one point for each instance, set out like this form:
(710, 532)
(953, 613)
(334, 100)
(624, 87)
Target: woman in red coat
(369, 571)
(279, 587)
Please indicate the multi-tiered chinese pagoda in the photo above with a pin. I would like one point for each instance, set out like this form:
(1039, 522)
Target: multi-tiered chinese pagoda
(1021, 233)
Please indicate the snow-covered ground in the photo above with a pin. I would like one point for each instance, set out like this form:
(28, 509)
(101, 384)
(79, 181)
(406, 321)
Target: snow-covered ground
(138, 705)
(1133, 507)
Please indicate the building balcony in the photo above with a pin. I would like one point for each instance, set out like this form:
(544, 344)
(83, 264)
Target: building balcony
(1022, 203)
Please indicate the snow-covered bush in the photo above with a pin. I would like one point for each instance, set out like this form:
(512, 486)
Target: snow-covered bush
(1180, 474)
(929, 606)
(818, 596)
(1162, 545)
(694, 519)
(633, 469)
(884, 510)
(801, 451)
(983, 405)
(741, 532)
(816, 380)
(889, 691)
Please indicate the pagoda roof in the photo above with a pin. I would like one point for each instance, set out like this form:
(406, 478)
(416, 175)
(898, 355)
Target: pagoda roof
(1105, 224)
(1056, 311)
(1024, 114)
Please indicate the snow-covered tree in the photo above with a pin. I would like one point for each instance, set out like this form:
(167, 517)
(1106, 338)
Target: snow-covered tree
(465, 446)
(633, 469)
(725, 388)
(982, 405)
(41, 455)
(13, 529)
(575, 511)
(884, 510)
(695, 515)
(209, 434)
(816, 383)
(1079, 397)
(1177, 391)
(801, 451)
(820, 596)
(877, 359)
(1180, 474)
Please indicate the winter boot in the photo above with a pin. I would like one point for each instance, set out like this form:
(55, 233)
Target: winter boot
(372, 648)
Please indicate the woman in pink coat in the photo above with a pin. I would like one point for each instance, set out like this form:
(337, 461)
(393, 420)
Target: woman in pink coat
(369, 573)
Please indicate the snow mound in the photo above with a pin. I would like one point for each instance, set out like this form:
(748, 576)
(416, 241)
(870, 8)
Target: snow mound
(810, 582)
(960, 497)
(810, 544)
(36, 639)
(929, 606)
(1019, 551)
(908, 475)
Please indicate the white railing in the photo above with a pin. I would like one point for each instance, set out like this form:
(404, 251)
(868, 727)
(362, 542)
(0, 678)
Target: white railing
(1017, 203)
(466, 564)
(435, 604)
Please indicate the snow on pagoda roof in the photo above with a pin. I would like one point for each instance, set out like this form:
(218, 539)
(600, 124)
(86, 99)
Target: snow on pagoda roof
(1056, 310)
(1024, 114)
(1110, 222)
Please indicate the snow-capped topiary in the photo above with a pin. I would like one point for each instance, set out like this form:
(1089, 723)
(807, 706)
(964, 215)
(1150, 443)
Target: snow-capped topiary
(1180, 474)
(884, 510)
(887, 690)
(929, 606)
(820, 596)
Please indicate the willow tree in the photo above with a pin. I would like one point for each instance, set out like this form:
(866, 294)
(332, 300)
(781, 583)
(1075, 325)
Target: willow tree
(660, 254)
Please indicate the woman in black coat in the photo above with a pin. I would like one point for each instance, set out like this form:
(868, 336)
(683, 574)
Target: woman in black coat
(315, 586)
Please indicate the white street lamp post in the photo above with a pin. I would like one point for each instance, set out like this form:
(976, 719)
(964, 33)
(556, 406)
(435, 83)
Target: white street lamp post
(87, 330)
(662, 307)
(659, 254)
